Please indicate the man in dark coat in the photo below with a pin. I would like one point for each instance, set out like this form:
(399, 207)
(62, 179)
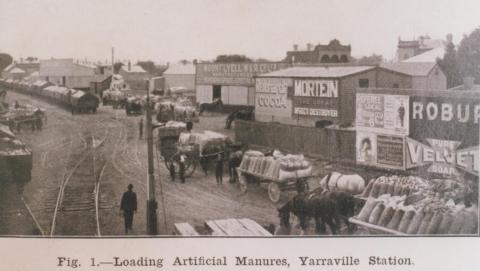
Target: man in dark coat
(128, 206)
(140, 128)
(219, 169)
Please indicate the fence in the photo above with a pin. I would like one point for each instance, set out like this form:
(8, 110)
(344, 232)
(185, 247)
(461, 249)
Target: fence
(331, 144)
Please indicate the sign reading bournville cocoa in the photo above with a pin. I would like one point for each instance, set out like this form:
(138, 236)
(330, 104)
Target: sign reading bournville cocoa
(316, 98)
(234, 74)
(444, 134)
(271, 96)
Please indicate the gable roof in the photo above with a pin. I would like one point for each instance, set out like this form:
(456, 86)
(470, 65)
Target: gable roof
(180, 69)
(410, 68)
(428, 56)
(318, 72)
(133, 68)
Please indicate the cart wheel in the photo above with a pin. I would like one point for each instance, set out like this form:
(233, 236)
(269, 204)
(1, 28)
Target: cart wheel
(242, 181)
(190, 166)
(274, 192)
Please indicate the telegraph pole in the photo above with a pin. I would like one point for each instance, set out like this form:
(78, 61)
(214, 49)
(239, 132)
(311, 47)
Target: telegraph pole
(151, 202)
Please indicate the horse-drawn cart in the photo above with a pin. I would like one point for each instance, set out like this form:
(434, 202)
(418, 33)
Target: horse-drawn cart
(198, 147)
(275, 186)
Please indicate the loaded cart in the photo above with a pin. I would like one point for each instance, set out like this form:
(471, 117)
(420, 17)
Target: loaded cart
(281, 173)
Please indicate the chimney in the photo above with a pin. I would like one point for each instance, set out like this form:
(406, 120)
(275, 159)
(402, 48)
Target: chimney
(129, 66)
(295, 47)
(468, 82)
(309, 46)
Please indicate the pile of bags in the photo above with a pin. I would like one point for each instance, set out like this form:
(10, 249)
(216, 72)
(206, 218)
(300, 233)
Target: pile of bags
(409, 185)
(208, 142)
(9, 144)
(430, 215)
(176, 124)
(277, 167)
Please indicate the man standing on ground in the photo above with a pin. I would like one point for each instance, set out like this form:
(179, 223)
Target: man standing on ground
(219, 169)
(140, 128)
(182, 168)
(128, 206)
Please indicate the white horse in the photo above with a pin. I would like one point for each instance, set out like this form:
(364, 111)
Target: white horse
(353, 184)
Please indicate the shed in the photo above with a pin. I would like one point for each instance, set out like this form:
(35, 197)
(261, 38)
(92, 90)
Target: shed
(425, 75)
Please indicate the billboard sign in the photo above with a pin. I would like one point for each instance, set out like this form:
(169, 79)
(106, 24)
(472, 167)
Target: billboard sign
(271, 96)
(385, 151)
(383, 113)
(366, 148)
(317, 98)
(442, 157)
(234, 74)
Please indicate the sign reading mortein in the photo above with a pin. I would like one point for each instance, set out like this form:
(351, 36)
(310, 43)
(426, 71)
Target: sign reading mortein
(316, 88)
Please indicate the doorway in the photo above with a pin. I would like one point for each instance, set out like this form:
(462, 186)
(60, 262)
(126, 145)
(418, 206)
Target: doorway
(217, 92)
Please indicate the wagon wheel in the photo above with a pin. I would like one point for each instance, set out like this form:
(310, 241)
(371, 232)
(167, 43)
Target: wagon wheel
(274, 192)
(242, 181)
(190, 164)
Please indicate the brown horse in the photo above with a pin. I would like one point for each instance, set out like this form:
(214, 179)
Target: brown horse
(326, 207)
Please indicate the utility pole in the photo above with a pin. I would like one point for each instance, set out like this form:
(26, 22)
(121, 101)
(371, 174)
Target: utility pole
(151, 202)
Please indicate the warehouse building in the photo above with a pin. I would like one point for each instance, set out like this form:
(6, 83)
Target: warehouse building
(180, 75)
(425, 75)
(315, 95)
(233, 83)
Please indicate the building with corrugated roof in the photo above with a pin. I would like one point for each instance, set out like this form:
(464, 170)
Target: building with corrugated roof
(180, 75)
(70, 73)
(425, 75)
(312, 95)
(135, 76)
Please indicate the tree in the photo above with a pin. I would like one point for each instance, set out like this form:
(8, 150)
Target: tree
(5, 61)
(232, 58)
(468, 55)
(449, 66)
(370, 60)
(116, 67)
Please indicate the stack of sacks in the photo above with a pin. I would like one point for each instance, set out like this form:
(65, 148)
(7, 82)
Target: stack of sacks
(294, 166)
(393, 185)
(176, 124)
(427, 216)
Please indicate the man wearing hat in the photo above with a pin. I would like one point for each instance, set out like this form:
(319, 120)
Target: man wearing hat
(128, 206)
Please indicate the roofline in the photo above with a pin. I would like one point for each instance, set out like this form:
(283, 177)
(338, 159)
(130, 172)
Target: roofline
(322, 77)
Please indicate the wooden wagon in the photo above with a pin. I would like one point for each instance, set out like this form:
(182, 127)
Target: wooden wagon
(275, 186)
(171, 151)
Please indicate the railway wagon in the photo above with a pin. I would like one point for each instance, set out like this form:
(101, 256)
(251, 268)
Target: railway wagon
(83, 102)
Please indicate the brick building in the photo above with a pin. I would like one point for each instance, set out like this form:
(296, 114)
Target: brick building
(333, 52)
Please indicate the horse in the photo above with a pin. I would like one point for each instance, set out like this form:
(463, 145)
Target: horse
(216, 104)
(243, 114)
(325, 207)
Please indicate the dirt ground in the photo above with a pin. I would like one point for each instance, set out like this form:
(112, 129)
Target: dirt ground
(120, 159)
(58, 146)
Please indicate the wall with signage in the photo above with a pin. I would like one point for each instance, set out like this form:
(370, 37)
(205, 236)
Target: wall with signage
(271, 98)
(383, 113)
(444, 134)
(234, 74)
(435, 132)
(316, 98)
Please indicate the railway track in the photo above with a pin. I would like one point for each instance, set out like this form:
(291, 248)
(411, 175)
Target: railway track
(75, 211)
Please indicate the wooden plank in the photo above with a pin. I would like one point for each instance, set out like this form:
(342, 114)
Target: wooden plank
(374, 227)
(232, 227)
(254, 227)
(216, 230)
(185, 229)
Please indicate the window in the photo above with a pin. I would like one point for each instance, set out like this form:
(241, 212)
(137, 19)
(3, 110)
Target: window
(363, 83)
(325, 59)
(395, 86)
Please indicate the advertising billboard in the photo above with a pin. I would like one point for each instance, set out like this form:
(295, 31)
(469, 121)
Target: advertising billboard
(271, 96)
(385, 151)
(234, 74)
(383, 113)
(366, 148)
(317, 98)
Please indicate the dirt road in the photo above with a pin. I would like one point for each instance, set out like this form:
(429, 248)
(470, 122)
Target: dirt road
(88, 204)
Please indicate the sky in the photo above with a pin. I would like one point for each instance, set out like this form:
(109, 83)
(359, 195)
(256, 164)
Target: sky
(168, 31)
